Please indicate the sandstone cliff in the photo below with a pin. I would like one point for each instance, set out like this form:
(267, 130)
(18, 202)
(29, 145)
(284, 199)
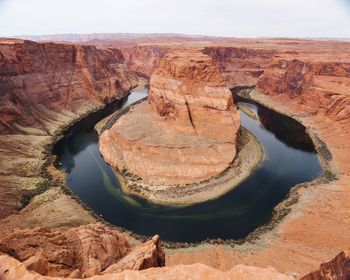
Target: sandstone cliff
(241, 65)
(186, 134)
(143, 59)
(238, 65)
(41, 82)
(43, 88)
(318, 87)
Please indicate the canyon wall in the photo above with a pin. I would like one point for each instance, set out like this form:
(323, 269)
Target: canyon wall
(41, 82)
(43, 88)
(240, 65)
(143, 59)
(316, 90)
(318, 87)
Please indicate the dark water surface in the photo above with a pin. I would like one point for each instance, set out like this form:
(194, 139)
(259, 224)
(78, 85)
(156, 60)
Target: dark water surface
(289, 159)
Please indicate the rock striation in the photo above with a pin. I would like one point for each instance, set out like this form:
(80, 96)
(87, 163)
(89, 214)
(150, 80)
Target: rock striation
(337, 268)
(11, 269)
(319, 87)
(79, 252)
(240, 65)
(143, 256)
(39, 82)
(187, 130)
(143, 59)
(43, 88)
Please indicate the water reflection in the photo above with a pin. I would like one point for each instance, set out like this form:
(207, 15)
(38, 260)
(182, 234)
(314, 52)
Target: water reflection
(286, 129)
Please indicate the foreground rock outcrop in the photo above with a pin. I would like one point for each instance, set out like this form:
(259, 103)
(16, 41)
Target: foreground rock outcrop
(187, 131)
(11, 269)
(338, 269)
(79, 252)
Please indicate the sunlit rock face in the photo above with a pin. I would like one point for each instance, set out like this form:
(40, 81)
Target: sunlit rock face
(185, 133)
(337, 268)
(79, 252)
(240, 65)
(42, 84)
(43, 88)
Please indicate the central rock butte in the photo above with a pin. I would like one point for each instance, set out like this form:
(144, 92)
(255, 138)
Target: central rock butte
(187, 130)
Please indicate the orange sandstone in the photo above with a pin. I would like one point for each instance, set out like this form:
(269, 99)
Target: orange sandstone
(187, 131)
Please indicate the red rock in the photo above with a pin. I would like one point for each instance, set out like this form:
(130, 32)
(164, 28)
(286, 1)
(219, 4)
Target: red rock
(80, 252)
(90, 249)
(43, 88)
(39, 81)
(241, 65)
(10, 269)
(143, 59)
(186, 134)
(143, 256)
(336, 269)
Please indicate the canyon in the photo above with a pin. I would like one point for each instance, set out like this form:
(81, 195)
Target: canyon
(184, 133)
(45, 87)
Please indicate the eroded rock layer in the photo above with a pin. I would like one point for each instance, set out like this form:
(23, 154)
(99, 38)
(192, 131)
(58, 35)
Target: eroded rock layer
(43, 88)
(39, 82)
(185, 133)
(79, 252)
(337, 268)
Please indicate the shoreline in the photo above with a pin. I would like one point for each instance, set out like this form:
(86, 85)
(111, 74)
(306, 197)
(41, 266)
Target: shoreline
(249, 155)
(254, 239)
(279, 212)
(247, 110)
(323, 153)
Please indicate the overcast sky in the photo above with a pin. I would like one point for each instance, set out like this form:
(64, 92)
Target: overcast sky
(245, 18)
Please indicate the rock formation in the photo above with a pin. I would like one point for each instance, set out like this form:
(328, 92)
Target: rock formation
(144, 59)
(11, 269)
(187, 131)
(43, 88)
(315, 73)
(336, 269)
(241, 66)
(141, 257)
(41, 82)
(319, 87)
(79, 252)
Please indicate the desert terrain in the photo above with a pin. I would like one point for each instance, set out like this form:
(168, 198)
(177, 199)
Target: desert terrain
(47, 86)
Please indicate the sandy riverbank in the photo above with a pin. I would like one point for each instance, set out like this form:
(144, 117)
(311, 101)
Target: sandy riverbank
(247, 110)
